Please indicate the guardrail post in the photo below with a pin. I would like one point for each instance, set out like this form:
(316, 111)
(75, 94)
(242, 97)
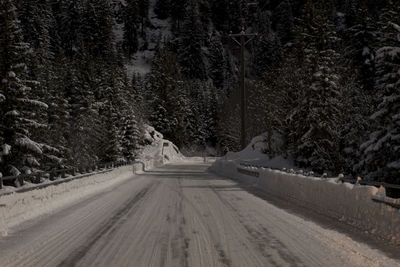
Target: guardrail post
(37, 178)
(52, 175)
(1, 182)
(340, 178)
(63, 174)
(19, 181)
(382, 189)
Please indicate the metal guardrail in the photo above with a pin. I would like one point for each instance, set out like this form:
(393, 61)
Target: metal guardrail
(395, 203)
(36, 177)
(372, 183)
(394, 187)
(249, 173)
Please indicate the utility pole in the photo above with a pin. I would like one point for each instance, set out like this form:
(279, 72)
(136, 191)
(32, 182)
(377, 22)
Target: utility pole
(244, 38)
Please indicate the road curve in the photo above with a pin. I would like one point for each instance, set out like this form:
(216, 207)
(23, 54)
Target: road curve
(181, 215)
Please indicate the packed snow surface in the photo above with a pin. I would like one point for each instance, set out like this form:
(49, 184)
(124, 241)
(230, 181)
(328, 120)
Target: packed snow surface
(180, 215)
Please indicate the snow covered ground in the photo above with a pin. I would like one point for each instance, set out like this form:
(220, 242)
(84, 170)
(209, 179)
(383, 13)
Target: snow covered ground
(181, 215)
(254, 154)
(19, 207)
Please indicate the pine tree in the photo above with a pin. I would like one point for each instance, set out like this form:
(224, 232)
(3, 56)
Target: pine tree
(381, 160)
(130, 138)
(220, 15)
(69, 21)
(218, 65)
(169, 101)
(178, 11)
(131, 20)
(362, 38)
(191, 56)
(356, 126)
(283, 20)
(18, 110)
(268, 48)
(143, 6)
(96, 29)
(318, 118)
(111, 148)
(162, 9)
(204, 110)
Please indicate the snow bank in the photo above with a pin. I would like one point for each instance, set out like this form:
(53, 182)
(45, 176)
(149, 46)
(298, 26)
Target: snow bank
(16, 208)
(157, 153)
(257, 152)
(352, 204)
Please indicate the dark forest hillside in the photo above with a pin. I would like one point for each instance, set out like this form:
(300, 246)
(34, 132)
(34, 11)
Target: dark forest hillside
(322, 76)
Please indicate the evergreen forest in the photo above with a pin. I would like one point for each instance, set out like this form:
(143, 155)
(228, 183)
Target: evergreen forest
(322, 80)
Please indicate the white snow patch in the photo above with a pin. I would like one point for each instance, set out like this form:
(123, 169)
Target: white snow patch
(14, 171)
(32, 102)
(390, 51)
(255, 153)
(16, 208)
(12, 113)
(395, 26)
(27, 143)
(6, 149)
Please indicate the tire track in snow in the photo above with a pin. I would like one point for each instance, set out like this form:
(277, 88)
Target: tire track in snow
(106, 229)
(179, 215)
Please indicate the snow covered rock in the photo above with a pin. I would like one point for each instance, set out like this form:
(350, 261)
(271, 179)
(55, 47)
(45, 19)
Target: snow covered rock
(158, 151)
(151, 135)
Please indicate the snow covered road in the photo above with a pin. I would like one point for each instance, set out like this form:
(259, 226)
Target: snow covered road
(180, 215)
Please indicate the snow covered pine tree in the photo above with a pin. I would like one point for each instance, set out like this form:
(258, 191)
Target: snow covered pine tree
(18, 110)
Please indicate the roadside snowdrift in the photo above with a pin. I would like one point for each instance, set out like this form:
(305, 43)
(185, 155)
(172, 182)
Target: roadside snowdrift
(19, 207)
(352, 204)
(257, 152)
